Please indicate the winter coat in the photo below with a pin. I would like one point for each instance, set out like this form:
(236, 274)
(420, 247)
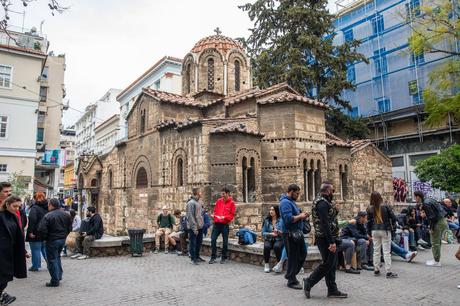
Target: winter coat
(12, 248)
(55, 225)
(36, 214)
(224, 209)
(354, 231)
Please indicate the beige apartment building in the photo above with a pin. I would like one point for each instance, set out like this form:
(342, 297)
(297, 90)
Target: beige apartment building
(31, 95)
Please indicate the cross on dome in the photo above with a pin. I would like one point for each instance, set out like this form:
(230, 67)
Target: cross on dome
(218, 31)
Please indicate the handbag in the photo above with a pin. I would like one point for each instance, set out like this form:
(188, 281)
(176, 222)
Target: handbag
(306, 226)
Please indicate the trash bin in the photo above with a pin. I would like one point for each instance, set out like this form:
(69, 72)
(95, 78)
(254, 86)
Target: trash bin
(136, 241)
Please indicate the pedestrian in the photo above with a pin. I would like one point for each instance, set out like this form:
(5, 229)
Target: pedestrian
(326, 225)
(194, 213)
(95, 232)
(435, 215)
(273, 236)
(224, 212)
(165, 224)
(183, 235)
(38, 210)
(293, 234)
(5, 192)
(380, 224)
(12, 247)
(53, 229)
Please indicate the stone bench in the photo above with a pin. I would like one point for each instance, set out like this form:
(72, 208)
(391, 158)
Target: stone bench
(252, 254)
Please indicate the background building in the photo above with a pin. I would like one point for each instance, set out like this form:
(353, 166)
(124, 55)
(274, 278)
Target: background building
(106, 134)
(164, 75)
(389, 88)
(67, 178)
(21, 63)
(95, 114)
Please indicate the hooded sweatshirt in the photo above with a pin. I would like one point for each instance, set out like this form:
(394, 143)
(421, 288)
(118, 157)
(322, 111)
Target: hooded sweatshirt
(225, 209)
(288, 210)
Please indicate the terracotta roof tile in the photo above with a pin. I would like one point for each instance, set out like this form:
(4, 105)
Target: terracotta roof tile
(235, 127)
(332, 140)
(219, 42)
(27, 50)
(287, 96)
(172, 98)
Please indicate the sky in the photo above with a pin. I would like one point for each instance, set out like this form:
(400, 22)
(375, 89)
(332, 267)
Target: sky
(109, 43)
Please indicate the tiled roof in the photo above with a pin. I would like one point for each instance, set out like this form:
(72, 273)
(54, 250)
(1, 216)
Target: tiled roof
(166, 123)
(156, 65)
(171, 98)
(219, 42)
(332, 140)
(287, 96)
(27, 50)
(235, 127)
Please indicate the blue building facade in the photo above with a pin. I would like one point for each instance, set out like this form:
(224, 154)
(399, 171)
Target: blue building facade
(394, 77)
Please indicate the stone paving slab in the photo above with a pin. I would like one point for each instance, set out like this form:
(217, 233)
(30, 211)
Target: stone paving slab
(171, 280)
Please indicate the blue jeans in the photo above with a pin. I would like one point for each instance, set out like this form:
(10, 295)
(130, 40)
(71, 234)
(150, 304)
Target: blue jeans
(453, 226)
(37, 248)
(397, 250)
(195, 244)
(217, 229)
(53, 253)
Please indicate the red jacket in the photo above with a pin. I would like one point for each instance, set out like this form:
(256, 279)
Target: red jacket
(224, 209)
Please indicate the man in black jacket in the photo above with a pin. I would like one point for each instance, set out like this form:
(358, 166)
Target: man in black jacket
(54, 228)
(358, 234)
(38, 210)
(96, 230)
(326, 232)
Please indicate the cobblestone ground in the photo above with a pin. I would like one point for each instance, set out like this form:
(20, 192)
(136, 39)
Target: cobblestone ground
(171, 280)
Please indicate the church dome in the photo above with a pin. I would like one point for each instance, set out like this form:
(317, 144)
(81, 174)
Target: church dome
(219, 42)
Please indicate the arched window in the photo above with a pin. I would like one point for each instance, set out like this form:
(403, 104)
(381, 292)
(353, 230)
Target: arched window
(311, 182)
(343, 181)
(188, 78)
(317, 176)
(110, 179)
(305, 180)
(237, 75)
(210, 74)
(252, 181)
(180, 172)
(245, 179)
(93, 183)
(141, 178)
(142, 128)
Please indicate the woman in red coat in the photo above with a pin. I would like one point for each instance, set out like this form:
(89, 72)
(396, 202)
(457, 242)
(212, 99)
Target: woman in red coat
(12, 247)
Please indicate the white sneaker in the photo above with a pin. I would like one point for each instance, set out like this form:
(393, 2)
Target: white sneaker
(278, 268)
(83, 257)
(76, 255)
(445, 242)
(267, 268)
(421, 248)
(410, 256)
(432, 263)
(458, 287)
(421, 241)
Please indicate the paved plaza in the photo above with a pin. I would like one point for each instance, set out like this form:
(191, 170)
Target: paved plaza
(171, 280)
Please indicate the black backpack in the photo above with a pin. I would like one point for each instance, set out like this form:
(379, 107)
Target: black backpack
(437, 210)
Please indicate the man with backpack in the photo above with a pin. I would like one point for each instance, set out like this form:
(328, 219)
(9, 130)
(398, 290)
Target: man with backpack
(436, 216)
(165, 222)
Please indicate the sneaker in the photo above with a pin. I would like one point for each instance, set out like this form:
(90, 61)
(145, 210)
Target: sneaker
(267, 268)
(278, 268)
(391, 275)
(50, 284)
(32, 269)
(200, 259)
(458, 287)
(75, 256)
(338, 295)
(296, 286)
(421, 248)
(194, 262)
(222, 261)
(444, 242)
(166, 251)
(433, 263)
(212, 261)
(306, 288)
(83, 257)
(376, 272)
(352, 271)
(367, 267)
(63, 255)
(155, 251)
(6, 299)
(421, 241)
(410, 256)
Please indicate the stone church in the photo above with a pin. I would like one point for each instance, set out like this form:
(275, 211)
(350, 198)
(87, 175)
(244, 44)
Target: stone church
(222, 131)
